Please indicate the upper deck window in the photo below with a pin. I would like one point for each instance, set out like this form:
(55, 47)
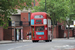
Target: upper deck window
(38, 16)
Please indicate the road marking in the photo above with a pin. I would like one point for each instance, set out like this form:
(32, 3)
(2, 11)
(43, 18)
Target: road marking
(17, 47)
(20, 46)
(25, 45)
(65, 47)
(11, 49)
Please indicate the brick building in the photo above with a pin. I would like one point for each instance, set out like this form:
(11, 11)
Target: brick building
(24, 16)
(1, 33)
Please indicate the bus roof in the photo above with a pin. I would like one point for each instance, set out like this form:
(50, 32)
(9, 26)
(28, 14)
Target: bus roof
(39, 13)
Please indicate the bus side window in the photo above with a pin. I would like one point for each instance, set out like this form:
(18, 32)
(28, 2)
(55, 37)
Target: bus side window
(37, 29)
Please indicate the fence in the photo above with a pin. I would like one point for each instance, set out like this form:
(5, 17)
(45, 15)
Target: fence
(19, 23)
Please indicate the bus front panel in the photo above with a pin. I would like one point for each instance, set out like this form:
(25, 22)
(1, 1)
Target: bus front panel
(40, 33)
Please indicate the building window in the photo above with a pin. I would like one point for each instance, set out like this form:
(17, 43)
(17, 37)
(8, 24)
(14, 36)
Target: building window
(28, 16)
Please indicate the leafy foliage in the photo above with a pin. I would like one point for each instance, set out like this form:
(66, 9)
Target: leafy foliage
(54, 8)
(7, 7)
(70, 13)
(58, 9)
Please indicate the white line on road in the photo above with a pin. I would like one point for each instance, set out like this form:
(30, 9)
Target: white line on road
(11, 49)
(17, 47)
(25, 45)
(65, 46)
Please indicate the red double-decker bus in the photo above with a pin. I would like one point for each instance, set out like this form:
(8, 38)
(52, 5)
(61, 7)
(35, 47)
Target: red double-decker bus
(41, 27)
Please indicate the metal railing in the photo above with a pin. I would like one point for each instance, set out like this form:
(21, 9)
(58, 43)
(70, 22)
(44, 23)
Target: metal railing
(19, 23)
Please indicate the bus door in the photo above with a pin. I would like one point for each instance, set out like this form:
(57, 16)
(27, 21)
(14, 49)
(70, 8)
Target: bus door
(39, 33)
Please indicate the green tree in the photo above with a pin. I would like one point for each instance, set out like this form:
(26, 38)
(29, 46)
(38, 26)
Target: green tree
(70, 13)
(56, 9)
(7, 7)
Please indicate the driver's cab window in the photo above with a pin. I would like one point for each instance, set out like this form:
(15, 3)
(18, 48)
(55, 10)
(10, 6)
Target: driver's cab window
(39, 28)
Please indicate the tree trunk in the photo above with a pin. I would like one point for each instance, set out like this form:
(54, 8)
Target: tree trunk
(69, 26)
(68, 31)
(52, 31)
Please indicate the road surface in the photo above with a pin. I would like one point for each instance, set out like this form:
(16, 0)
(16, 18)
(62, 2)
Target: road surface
(56, 44)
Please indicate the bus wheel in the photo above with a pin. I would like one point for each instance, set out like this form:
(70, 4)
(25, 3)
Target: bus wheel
(50, 40)
(37, 40)
(46, 40)
(33, 41)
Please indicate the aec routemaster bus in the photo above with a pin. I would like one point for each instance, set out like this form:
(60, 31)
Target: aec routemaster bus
(40, 27)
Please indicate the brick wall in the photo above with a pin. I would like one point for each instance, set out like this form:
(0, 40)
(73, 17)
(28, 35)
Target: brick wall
(13, 34)
(71, 33)
(7, 34)
(1, 33)
(54, 32)
(24, 16)
(25, 30)
(57, 33)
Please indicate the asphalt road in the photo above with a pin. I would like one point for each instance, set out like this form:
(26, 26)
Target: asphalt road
(56, 44)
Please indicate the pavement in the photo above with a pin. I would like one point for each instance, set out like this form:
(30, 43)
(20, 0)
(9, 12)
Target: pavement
(9, 41)
(70, 38)
(6, 42)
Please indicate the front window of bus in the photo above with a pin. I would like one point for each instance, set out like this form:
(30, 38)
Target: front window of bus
(38, 16)
(39, 28)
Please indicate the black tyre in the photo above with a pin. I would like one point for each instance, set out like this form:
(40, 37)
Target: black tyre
(33, 40)
(37, 40)
(50, 40)
(46, 40)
